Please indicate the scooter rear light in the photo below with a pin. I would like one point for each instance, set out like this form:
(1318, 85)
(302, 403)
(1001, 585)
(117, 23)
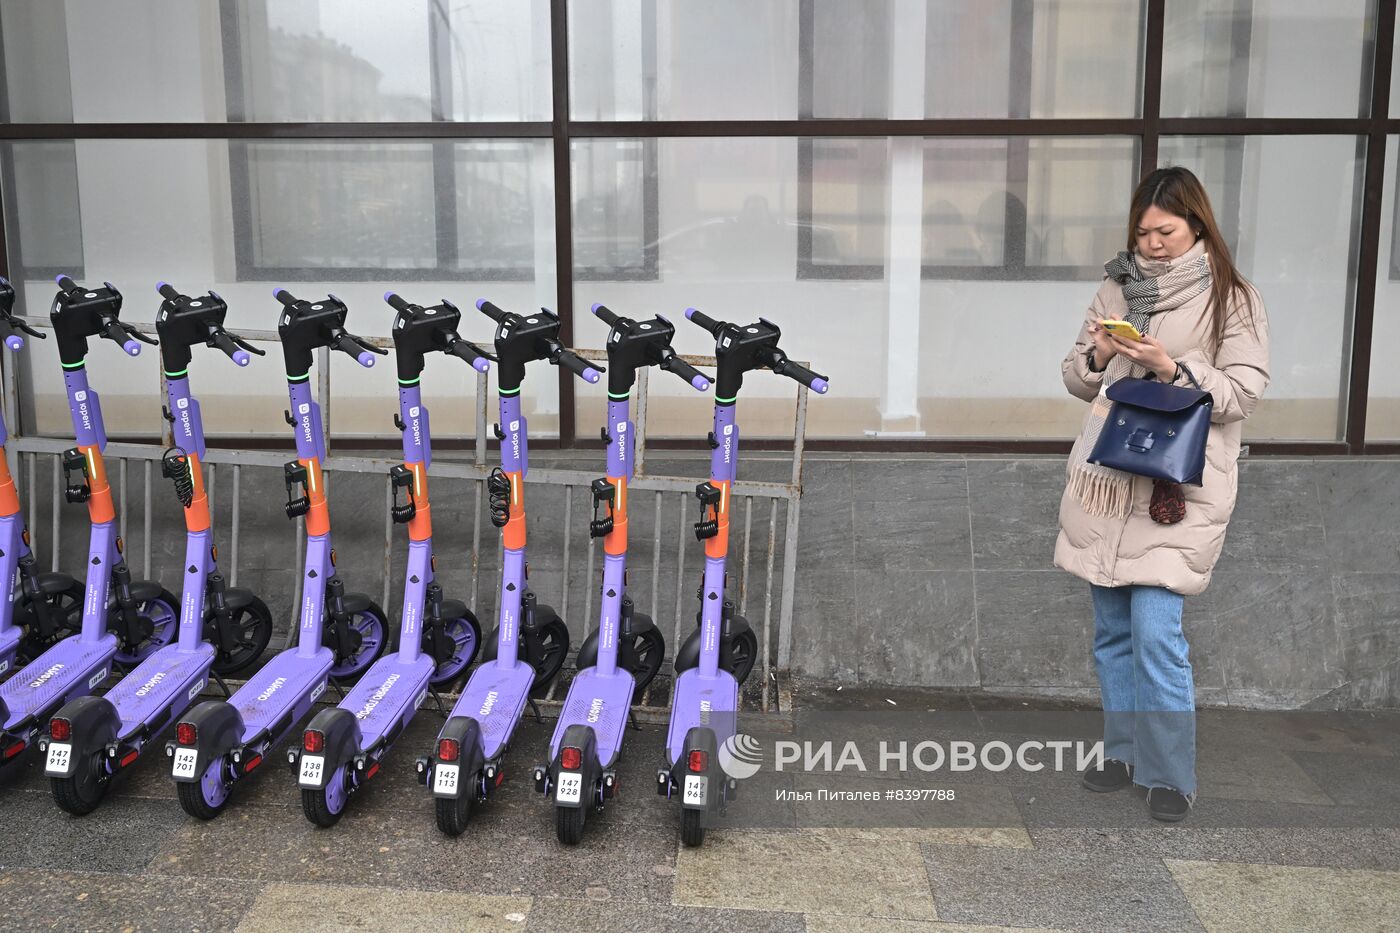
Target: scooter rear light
(60, 729)
(314, 741)
(570, 758)
(698, 761)
(186, 733)
(448, 749)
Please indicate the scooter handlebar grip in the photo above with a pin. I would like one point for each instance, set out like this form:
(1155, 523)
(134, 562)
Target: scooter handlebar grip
(14, 342)
(132, 347)
(236, 353)
(395, 302)
(465, 350)
(167, 291)
(284, 296)
(579, 366)
(65, 283)
(348, 345)
(814, 381)
(604, 315)
(704, 320)
(490, 310)
(687, 372)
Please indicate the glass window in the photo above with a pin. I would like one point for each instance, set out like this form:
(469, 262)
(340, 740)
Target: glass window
(39, 187)
(1261, 186)
(285, 61)
(1383, 404)
(1266, 58)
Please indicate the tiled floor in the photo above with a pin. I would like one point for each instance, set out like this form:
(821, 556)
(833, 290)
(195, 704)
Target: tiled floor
(1297, 828)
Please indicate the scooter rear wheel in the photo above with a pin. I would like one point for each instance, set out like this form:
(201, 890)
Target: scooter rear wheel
(454, 813)
(206, 798)
(692, 833)
(65, 610)
(568, 824)
(326, 806)
(81, 793)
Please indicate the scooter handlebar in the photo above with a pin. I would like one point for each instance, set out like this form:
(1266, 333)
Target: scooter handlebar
(126, 337)
(687, 372)
(395, 302)
(704, 320)
(167, 291)
(578, 366)
(284, 296)
(490, 310)
(65, 283)
(471, 353)
(604, 315)
(363, 353)
(812, 380)
(9, 324)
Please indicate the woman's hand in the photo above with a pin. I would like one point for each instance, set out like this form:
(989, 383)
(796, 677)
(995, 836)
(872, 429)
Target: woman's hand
(1147, 353)
(1104, 347)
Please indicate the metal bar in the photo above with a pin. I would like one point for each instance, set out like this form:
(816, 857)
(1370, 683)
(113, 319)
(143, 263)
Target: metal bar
(588, 587)
(146, 525)
(768, 597)
(323, 383)
(275, 131)
(482, 402)
(54, 519)
(568, 534)
(680, 573)
(640, 435)
(744, 563)
(209, 492)
(388, 539)
(123, 527)
(296, 589)
(563, 207)
(656, 560)
(799, 438)
(233, 526)
(478, 490)
(32, 492)
(1151, 104)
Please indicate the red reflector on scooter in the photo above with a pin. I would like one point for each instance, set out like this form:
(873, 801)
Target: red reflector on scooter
(186, 733)
(313, 741)
(698, 761)
(570, 758)
(12, 750)
(448, 749)
(60, 729)
(129, 758)
(252, 763)
(373, 770)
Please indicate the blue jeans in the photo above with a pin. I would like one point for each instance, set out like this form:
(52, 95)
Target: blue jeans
(1144, 670)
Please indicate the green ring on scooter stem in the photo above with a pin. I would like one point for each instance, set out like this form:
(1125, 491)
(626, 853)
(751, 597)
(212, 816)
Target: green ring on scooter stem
(620, 397)
(183, 372)
(727, 401)
(508, 392)
(78, 365)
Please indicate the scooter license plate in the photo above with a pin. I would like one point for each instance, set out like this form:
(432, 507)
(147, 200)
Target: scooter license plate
(311, 766)
(185, 760)
(60, 753)
(696, 786)
(445, 779)
(570, 789)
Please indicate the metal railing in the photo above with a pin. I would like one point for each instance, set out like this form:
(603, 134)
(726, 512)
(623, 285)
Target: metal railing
(768, 686)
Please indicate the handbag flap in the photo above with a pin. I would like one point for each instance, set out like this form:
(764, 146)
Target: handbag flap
(1157, 396)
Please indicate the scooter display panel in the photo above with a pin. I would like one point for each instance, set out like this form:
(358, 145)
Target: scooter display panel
(495, 696)
(600, 701)
(154, 682)
(56, 672)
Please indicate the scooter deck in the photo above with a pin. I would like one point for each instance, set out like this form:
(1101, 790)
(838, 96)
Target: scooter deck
(283, 683)
(168, 676)
(68, 670)
(388, 694)
(702, 701)
(600, 701)
(495, 697)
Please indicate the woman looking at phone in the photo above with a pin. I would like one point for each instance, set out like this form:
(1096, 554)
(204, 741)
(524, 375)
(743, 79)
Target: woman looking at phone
(1145, 545)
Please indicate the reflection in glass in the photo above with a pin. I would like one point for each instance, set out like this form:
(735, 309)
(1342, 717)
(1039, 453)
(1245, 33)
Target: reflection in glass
(42, 221)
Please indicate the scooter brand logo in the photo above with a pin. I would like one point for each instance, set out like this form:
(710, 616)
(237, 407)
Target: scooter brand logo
(182, 403)
(47, 676)
(741, 756)
(595, 709)
(489, 705)
(622, 447)
(413, 412)
(80, 396)
(705, 712)
(377, 696)
(728, 442)
(150, 685)
(515, 439)
(271, 689)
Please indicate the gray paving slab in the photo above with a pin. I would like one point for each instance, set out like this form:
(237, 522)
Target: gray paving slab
(1374, 848)
(75, 900)
(334, 907)
(560, 915)
(121, 836)
(1359, 780)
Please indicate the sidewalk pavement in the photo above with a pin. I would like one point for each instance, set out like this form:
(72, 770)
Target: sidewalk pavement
(1297, 828)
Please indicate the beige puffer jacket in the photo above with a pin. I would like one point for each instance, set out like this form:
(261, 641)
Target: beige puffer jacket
(1111, 551)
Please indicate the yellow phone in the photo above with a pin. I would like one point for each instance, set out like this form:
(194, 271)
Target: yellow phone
(1121, 329)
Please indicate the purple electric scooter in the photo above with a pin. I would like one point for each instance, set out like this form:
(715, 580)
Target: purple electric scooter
(342, 748)
(123, 620)
(705, 700)
(222, 630)
(528, 647)
(617, 661)
(339, 635)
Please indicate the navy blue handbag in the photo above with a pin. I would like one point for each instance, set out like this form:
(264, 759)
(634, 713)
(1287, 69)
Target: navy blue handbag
(1156, 430)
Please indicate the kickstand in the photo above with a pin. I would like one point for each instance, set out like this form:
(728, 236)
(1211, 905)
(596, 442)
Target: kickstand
(437, 698)
(228, 694)
(535, 708)
(632, 718)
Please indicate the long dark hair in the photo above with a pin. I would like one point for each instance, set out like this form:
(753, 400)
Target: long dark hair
(1177, 191)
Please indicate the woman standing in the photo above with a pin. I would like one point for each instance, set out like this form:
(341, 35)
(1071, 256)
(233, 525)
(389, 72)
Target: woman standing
(1144, 545)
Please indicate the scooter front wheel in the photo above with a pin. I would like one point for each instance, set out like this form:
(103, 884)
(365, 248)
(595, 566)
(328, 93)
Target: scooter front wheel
(82, 792)
(65, 613)
(568, 825)
(544, 649)
(162, 614)
(372, 627)
(206, 798)
(692, 832)
(325, 807)
(252, 625)
(453, 813)
(465, 636)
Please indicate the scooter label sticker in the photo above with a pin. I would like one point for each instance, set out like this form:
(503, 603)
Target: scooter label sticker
(60, 754)
(194, 691)
(311, 766)
(445, 779)
(97, 679)
(696, 786)
(318, 691)
(4, 666)
(570, 787)
(185, 759)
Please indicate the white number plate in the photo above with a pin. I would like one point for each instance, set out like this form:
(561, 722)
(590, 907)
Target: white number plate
(185, 759)
(570, 788)
(695, 787)
(445, 779)
(311, 766)
(60, 753)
